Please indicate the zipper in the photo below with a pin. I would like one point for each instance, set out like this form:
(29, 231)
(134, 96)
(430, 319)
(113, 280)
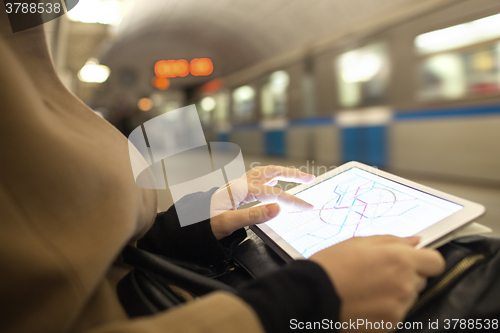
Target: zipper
(448, 278)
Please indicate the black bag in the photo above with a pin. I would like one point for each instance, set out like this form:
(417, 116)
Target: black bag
(147, 288)
(468, 289)
(466, 296)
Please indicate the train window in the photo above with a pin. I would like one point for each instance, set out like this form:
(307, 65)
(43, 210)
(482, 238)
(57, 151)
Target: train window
(462, 35)
(244, 102)
(274, 95)
(363, 75)
(460, 61)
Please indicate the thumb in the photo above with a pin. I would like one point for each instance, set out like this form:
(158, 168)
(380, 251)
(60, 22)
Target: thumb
(254, 215)
(413, 240)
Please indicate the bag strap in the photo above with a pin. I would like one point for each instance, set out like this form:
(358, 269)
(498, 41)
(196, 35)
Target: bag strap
(141, 295)
(175, 275)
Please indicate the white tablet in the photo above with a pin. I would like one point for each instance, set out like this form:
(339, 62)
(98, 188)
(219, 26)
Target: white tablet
(358, 200)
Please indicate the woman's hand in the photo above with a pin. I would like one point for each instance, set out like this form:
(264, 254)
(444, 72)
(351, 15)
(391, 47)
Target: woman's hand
(256, 184)
(378, 278)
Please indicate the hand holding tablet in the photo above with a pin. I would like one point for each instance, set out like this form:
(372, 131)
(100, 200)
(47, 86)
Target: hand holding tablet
(378, 278)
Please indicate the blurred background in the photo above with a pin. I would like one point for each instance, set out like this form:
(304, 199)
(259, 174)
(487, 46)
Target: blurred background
(412, 87)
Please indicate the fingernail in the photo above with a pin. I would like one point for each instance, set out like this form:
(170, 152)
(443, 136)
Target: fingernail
(273, 210)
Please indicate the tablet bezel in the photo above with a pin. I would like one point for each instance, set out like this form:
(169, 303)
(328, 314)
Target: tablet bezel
(467, 214)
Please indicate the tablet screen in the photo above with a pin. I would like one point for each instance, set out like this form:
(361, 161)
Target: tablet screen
(358, 203)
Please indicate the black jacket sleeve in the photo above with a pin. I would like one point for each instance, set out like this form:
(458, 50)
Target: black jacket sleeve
(297, 294)
(193, 243)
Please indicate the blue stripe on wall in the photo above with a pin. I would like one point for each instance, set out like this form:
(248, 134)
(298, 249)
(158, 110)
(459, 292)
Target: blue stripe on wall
(376, 142)
(454, 112)
(223, 137)
(319, 121)
(399, 115)
(274, 142)
(365, 144)
(352, 144)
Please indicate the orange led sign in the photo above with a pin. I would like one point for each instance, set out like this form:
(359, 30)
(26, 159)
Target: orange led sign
(171, 68)
(181, 68)
(201, 66)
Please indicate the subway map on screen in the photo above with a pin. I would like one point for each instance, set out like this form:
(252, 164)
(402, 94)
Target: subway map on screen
(358, 203)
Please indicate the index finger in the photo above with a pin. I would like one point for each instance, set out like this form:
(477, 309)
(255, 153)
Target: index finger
(267, 194)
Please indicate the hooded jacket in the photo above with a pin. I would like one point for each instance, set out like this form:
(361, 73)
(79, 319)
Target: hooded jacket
(69, 204)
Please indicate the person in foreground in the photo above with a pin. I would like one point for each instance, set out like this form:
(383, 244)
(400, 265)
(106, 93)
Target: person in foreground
(70, 204)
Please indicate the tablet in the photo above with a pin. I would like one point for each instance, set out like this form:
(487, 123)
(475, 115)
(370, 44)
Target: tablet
(358, 200)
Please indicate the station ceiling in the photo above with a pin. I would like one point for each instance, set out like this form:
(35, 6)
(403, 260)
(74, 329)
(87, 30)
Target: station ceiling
(233, 33)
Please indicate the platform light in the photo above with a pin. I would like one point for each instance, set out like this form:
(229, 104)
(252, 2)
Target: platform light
(160, 83)
(93, 72)
(201, 66)
(460, 35)
(97, 11)
(208, 104)
(145, 104)
(244, 93)
(157, 98)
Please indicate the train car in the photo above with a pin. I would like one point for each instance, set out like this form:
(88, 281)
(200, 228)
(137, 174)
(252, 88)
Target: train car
(418, 94)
